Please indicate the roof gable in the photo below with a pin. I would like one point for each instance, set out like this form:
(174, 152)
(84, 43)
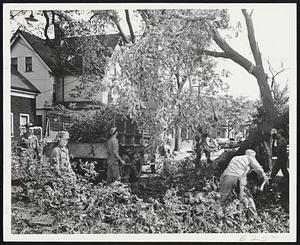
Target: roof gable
(46, 54)
(18, 81)
(50, 54)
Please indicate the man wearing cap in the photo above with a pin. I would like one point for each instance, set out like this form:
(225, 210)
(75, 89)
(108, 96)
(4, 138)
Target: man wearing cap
(282, 156)
(113, 172)
(29, 140)
(235, 175)
(60, 159)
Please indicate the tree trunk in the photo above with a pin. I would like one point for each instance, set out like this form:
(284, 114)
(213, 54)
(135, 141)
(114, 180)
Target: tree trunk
(256, 69)
(177, 145)
(130, 26)
(265, 93)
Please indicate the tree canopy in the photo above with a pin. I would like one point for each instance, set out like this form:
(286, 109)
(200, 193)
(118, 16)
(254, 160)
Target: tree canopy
(156, 67)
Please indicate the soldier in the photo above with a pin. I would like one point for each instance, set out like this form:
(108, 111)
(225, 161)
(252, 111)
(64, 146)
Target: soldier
(60, 159)
(29, 140)
(113, 171)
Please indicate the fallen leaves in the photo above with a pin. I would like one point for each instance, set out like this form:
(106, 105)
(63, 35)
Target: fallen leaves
(176, 202)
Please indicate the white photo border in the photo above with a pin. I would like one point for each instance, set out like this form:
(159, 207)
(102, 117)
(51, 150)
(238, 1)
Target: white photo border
(265, 237)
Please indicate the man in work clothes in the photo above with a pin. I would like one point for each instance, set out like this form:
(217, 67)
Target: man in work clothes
(113, 171)
(282, 156)
(60, 159)
(235, 175)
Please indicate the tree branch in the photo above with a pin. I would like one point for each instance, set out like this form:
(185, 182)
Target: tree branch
(130, 26)
(231, 53)
(251, 38)
(61, 15)
(214, 53)
(183, 81)
(117, 23)
(12, 16)
(272, 71)
(46, 26)
(144, 15)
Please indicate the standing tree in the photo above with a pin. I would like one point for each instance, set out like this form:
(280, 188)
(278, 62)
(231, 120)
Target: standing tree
(257, 69)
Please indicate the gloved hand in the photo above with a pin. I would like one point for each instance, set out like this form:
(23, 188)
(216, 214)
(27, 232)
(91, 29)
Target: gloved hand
(266, 180)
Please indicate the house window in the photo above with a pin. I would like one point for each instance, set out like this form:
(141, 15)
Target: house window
(28, 64)
(11, 124)
(14, 63)
(24, 118)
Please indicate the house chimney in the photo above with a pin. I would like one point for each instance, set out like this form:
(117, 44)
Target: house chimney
(57, 34)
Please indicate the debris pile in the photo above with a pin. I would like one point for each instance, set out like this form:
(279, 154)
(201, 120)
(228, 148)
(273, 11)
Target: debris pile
(177, 201)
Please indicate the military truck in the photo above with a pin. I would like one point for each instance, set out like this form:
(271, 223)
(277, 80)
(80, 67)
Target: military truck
(132, 142)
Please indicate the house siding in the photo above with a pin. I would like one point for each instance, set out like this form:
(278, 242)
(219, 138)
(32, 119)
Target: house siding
(39, 76)
(20, 105)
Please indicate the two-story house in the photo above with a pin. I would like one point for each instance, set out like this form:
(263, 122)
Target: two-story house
(38, 62)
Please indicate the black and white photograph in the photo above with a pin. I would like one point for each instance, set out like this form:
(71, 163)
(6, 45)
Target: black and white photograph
(149, 122)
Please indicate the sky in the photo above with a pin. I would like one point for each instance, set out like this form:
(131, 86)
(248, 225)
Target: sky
(275, 31)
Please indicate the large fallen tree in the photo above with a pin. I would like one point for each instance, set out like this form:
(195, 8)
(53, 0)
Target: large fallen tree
(256, 136)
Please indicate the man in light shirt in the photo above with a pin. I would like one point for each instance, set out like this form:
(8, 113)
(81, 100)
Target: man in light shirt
(235, 175)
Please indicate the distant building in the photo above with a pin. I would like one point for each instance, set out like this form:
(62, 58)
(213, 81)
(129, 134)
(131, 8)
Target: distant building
(23, 102)
(221, 130)
(218, 132)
